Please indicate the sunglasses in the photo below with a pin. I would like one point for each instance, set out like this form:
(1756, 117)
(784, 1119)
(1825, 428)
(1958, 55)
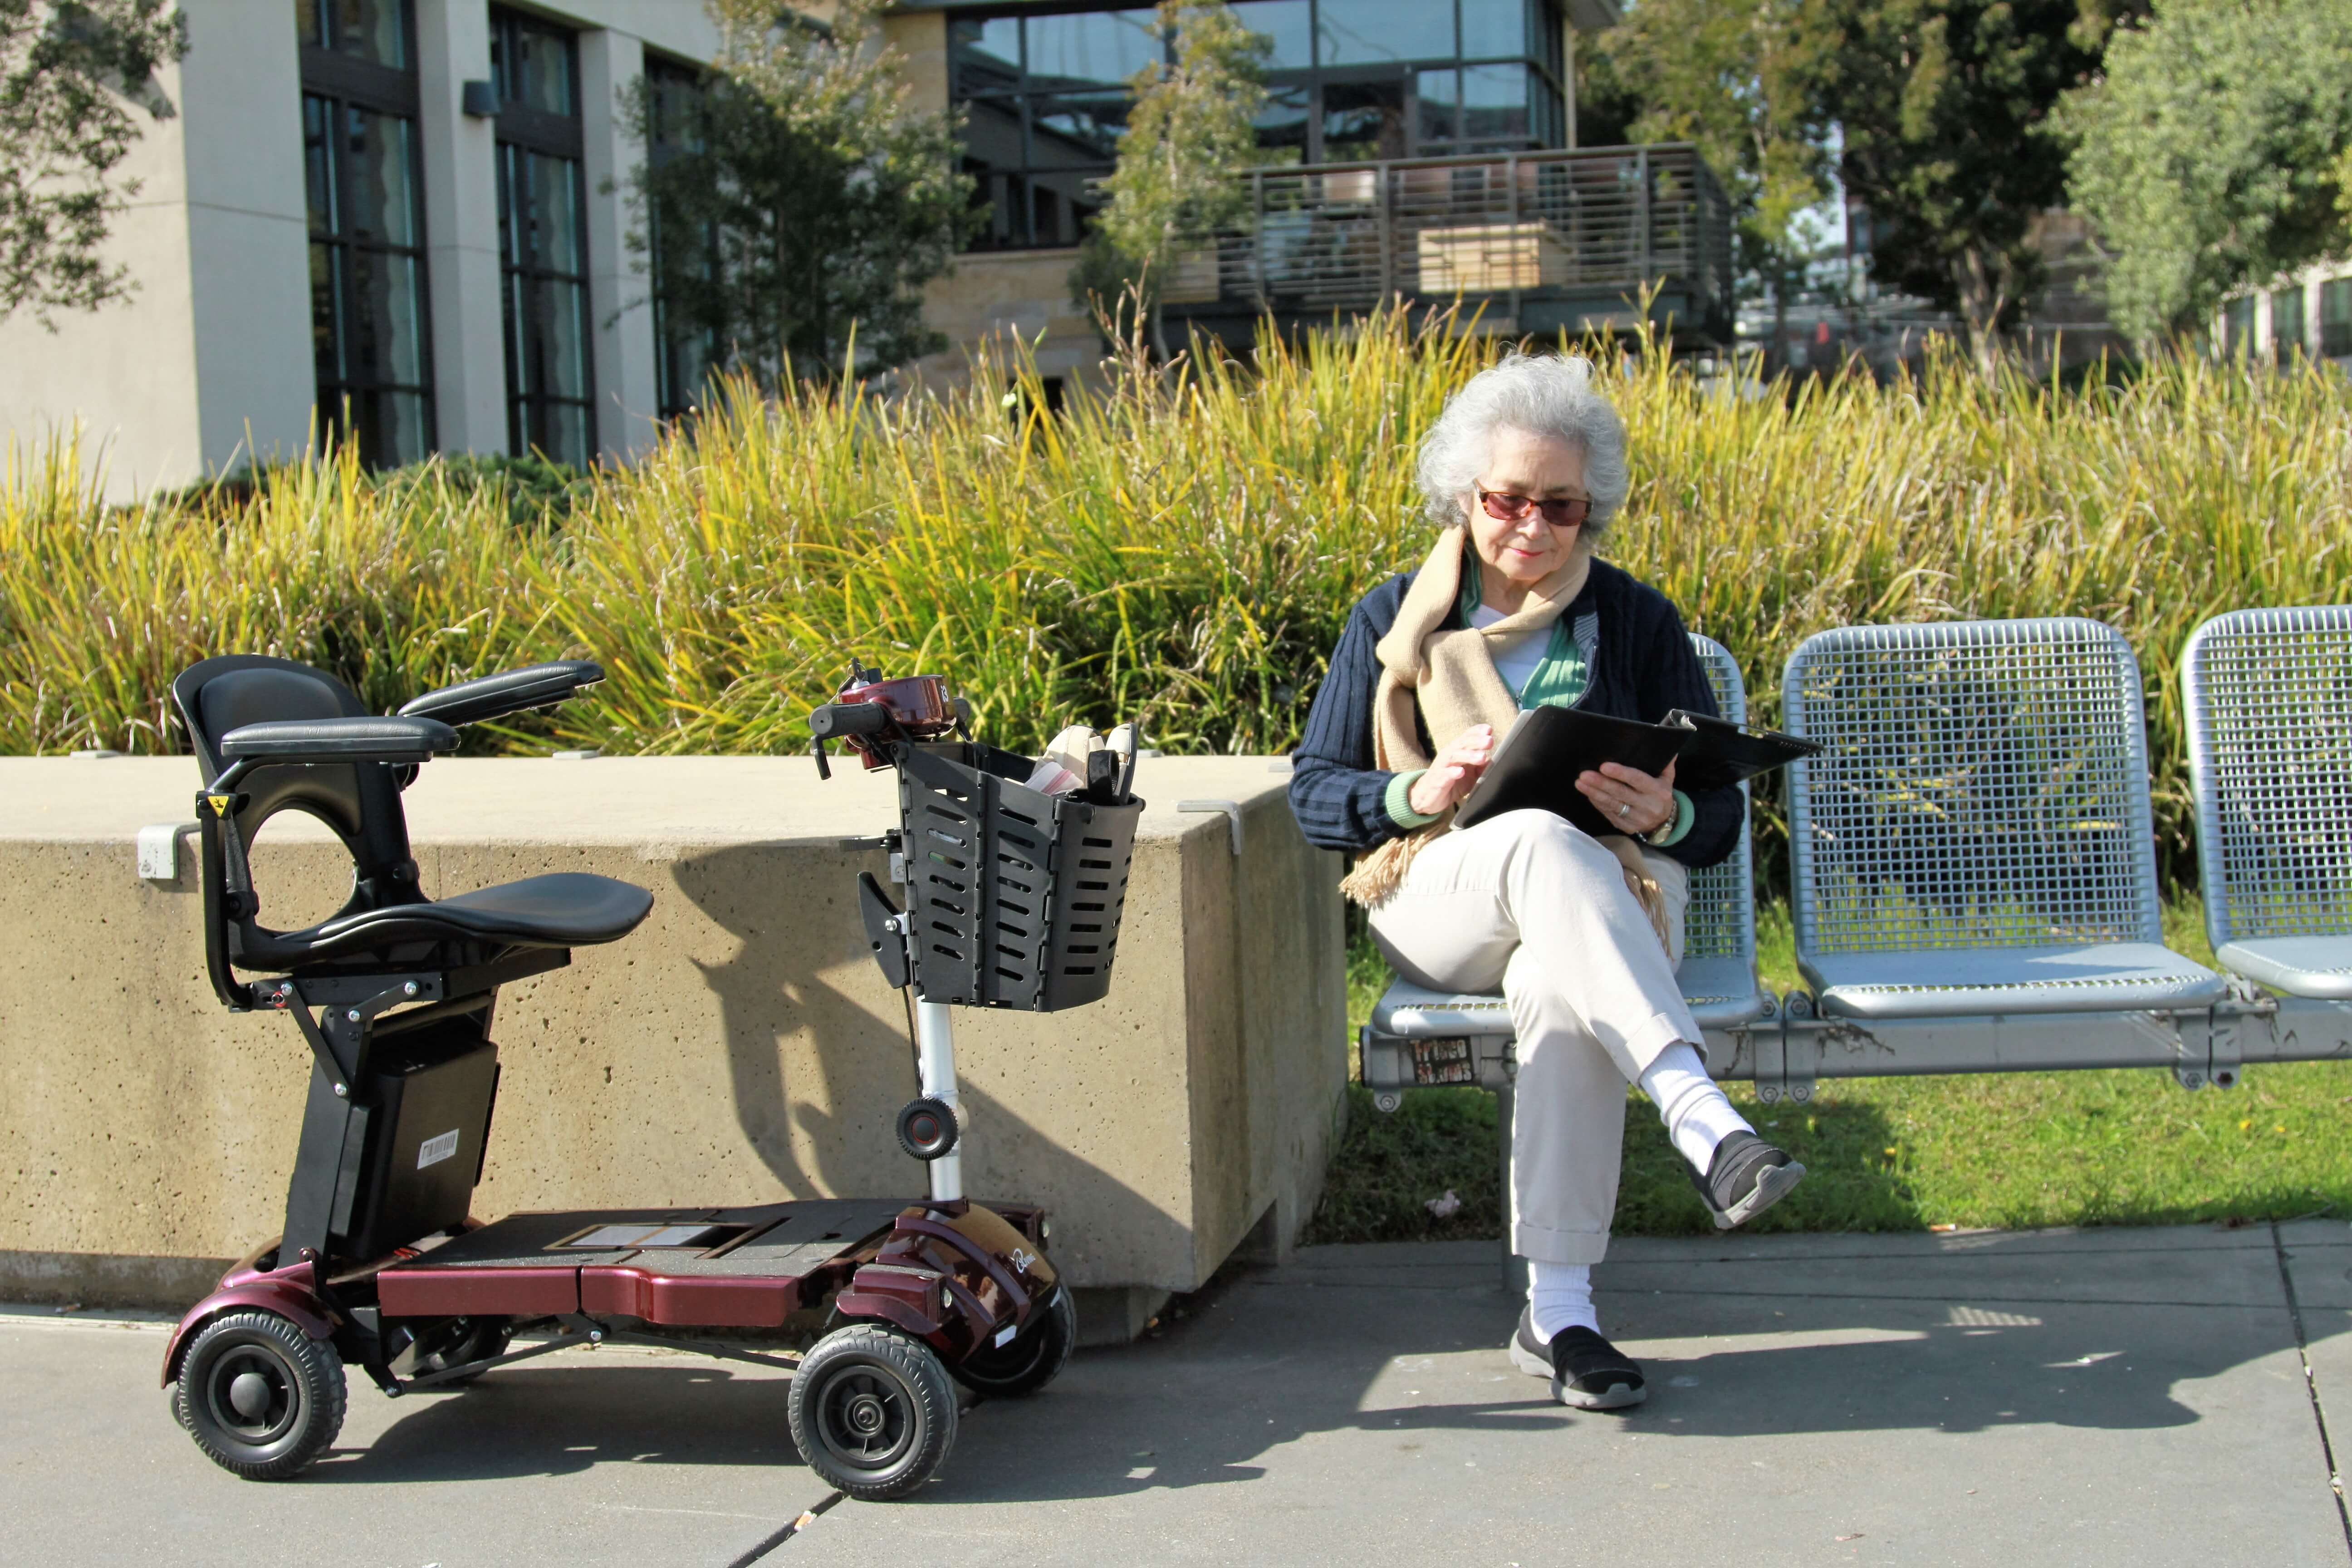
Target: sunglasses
(1565, 511)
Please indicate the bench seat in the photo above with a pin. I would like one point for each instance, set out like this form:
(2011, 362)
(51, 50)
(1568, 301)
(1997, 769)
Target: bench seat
(1721, 992)
(1951, 983)
(2319, 967)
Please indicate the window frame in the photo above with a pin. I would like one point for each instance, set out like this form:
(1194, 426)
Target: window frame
(673, 347)
(520, 132)
(344, 83)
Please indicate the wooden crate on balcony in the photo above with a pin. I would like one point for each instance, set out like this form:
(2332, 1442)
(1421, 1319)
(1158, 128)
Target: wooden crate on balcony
(1488, 257)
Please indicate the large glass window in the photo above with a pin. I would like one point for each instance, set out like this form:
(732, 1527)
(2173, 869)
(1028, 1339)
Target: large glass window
(543, 239)
(1368, 32)
(1046, 100)
(372, 365)
(682, 350)
(2287, 324)
(2336, 318)
(2238, 325)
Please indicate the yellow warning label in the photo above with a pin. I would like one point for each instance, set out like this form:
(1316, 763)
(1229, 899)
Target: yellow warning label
(219, 803)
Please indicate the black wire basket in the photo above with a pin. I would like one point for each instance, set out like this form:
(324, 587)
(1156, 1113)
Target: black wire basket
(1014, 896)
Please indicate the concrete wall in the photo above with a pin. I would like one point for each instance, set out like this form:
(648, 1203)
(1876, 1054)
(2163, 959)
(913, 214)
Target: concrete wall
(740, 1046)
(994, 296)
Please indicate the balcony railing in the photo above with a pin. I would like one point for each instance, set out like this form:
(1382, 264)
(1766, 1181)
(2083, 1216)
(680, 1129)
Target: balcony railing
(1556, 239)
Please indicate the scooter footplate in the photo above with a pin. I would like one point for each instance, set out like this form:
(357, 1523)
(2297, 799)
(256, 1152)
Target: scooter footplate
(521, 1266)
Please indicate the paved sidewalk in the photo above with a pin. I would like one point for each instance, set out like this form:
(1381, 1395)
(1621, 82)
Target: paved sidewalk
(2015, 1400)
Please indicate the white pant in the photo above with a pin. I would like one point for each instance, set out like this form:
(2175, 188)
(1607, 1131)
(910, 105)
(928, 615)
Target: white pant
(1526, 901)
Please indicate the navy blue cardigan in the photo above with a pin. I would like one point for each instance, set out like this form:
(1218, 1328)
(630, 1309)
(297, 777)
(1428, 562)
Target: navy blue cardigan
(1642, 667)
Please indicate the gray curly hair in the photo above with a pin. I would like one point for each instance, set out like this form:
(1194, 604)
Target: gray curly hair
(1541, 394)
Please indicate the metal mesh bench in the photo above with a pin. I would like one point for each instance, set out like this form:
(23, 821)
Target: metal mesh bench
(1419, 1038)
(1975, 837)
(2268, 695)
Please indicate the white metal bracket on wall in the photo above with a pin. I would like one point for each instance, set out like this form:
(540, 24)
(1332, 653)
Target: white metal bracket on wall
(159, 850)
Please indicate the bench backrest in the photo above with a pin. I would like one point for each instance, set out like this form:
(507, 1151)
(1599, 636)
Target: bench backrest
(2268, 696)
(1984, 785)
(1721, 920)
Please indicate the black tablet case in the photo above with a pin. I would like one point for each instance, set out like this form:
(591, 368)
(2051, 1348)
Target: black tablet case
(1539, 760)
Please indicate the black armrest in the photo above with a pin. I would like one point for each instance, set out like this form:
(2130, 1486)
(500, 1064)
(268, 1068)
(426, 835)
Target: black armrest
(339, 741)
(496, 695)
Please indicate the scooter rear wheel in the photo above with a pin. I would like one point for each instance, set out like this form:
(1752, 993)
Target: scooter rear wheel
(873, 1411)
(261, 1398)
(1033, 1359)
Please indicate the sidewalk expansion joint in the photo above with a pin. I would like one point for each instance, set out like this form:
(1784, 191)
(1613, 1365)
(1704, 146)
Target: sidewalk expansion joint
(762, 1548)
(2311, 1386)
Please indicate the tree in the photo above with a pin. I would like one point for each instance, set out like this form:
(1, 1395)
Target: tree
(67, 71)
(1191, 129)
(808, 202)
(2215, 154)
(1734, 78)
(1943, 109)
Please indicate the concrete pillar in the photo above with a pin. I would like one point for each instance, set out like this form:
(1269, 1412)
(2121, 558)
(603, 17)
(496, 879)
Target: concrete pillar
(620, 304)
(1568, 79)
(248, 233)
(461, 227)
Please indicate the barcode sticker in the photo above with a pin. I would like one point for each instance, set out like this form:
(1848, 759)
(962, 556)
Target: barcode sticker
(433, 1151)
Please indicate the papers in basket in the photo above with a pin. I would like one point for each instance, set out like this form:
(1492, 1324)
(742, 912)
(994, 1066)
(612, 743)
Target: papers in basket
(1078, 759)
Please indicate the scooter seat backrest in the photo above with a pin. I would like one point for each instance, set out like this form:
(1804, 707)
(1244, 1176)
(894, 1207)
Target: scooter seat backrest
(361, 802)
(218, 695)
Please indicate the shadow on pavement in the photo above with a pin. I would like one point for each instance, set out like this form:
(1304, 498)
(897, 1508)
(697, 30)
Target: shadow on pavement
(560, 1420)
(1947, 1341)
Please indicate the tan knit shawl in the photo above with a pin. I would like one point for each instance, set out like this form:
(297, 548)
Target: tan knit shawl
(1448, 677)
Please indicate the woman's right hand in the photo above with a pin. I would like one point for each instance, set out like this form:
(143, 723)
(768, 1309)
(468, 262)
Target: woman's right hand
(1455, 772)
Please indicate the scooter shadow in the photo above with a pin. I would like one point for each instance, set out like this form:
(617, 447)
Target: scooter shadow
(558, 1420)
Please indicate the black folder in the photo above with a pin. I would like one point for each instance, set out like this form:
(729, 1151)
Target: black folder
(1538, 759)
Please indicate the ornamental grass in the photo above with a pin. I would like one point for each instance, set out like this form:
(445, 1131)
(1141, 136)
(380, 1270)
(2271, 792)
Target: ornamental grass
(1180, 548)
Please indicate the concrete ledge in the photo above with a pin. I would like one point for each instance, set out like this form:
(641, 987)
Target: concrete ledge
(109, 1279)
(740, 1046)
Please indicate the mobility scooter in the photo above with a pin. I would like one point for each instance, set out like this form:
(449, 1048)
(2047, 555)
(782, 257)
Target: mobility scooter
(1013, 898)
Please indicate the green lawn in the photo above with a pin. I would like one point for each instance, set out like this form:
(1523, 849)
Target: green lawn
(2009, 1150)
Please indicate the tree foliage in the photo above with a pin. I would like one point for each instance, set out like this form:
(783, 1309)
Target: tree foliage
(1192, 128)
(1735, 78)
(806, 204)
(2215, 152)
(69, 73)
(1943, 108)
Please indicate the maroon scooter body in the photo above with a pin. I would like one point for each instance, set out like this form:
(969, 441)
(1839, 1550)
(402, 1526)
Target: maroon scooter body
(290, 1292)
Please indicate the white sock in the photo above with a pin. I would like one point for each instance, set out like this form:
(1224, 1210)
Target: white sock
(1560, 1296)
(1696, 1115)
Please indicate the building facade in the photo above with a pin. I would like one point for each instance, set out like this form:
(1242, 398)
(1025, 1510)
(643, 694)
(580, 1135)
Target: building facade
(401, 219)
(1042, 87)
(2309, 315)
(404, 223)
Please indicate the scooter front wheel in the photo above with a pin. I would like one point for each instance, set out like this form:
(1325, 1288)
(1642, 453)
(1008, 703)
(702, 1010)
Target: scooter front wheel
(873, 1411)
(261, 1398)
(1033, 1359)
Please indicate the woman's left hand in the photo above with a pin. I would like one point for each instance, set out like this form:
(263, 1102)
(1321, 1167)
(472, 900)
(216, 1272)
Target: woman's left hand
(1633, 802)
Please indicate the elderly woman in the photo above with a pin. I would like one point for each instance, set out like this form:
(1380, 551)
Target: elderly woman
(1524, 472)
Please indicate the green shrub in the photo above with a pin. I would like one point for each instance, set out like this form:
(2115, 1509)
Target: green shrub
(1181, 550)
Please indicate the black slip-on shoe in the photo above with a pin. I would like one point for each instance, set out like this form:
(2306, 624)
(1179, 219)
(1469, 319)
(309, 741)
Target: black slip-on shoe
(1586, 1371)
(1746, 1178)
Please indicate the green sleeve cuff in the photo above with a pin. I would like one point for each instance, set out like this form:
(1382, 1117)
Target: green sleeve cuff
(1685, 814)
(1399, 803)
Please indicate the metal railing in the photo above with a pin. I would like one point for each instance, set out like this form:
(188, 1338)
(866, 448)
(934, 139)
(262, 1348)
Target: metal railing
(1601, 225)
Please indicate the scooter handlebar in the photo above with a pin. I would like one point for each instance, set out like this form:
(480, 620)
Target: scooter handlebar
(838, 719)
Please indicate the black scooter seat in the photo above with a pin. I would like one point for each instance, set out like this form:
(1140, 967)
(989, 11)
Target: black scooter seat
(562, 909)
